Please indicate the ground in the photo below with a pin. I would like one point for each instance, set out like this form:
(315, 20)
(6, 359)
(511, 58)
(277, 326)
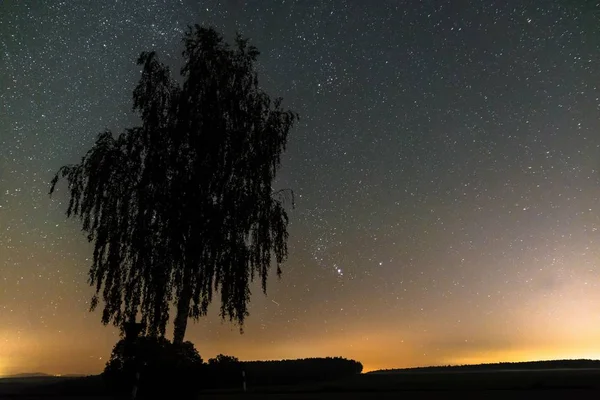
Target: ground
(425, 395)
(514, 384)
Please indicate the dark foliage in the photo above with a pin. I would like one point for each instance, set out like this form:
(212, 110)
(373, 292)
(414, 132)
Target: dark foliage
(165, 369)
(287, 372)
(275, 373)
(222, 372)
(183, 205)
(222, 359)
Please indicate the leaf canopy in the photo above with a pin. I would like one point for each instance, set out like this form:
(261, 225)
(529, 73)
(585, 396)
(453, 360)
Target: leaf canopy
(182, 206)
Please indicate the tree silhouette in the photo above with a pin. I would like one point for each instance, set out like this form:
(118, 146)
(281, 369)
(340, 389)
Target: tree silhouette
(183, 205)
(165, 368)
(223, 359)
(226, 372)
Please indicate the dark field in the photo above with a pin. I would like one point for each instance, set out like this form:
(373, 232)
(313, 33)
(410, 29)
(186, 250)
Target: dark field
(514, 384)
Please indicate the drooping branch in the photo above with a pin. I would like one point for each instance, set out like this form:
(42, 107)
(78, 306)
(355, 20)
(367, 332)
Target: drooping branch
(183, 205)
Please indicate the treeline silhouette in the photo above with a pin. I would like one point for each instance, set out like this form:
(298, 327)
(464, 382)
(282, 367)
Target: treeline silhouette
(280, 372)
(158, 367)
(521, 365)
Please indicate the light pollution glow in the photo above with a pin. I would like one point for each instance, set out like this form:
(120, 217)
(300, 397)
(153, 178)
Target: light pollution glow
(544, 328)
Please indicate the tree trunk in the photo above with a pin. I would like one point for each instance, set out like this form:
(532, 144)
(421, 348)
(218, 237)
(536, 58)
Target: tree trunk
(183, 311)
(184, 301)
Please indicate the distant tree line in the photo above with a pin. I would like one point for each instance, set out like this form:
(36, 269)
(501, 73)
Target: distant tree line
(178, 371)
(280, 372)
(524, 365)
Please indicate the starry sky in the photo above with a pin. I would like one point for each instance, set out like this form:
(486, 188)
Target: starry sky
(446, 171)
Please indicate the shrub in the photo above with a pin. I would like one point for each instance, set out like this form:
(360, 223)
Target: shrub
(165, 369)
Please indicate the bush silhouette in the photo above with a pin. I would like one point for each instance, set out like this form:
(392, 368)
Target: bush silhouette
(226, 372)
(222, 359)
(177, 371)
(165, 369)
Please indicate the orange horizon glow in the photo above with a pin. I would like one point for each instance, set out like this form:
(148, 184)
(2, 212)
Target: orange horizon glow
(536, 327)
(372, 351)
(93, 368)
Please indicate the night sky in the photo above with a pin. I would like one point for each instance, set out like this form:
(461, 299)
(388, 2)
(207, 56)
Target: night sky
(446, 171)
